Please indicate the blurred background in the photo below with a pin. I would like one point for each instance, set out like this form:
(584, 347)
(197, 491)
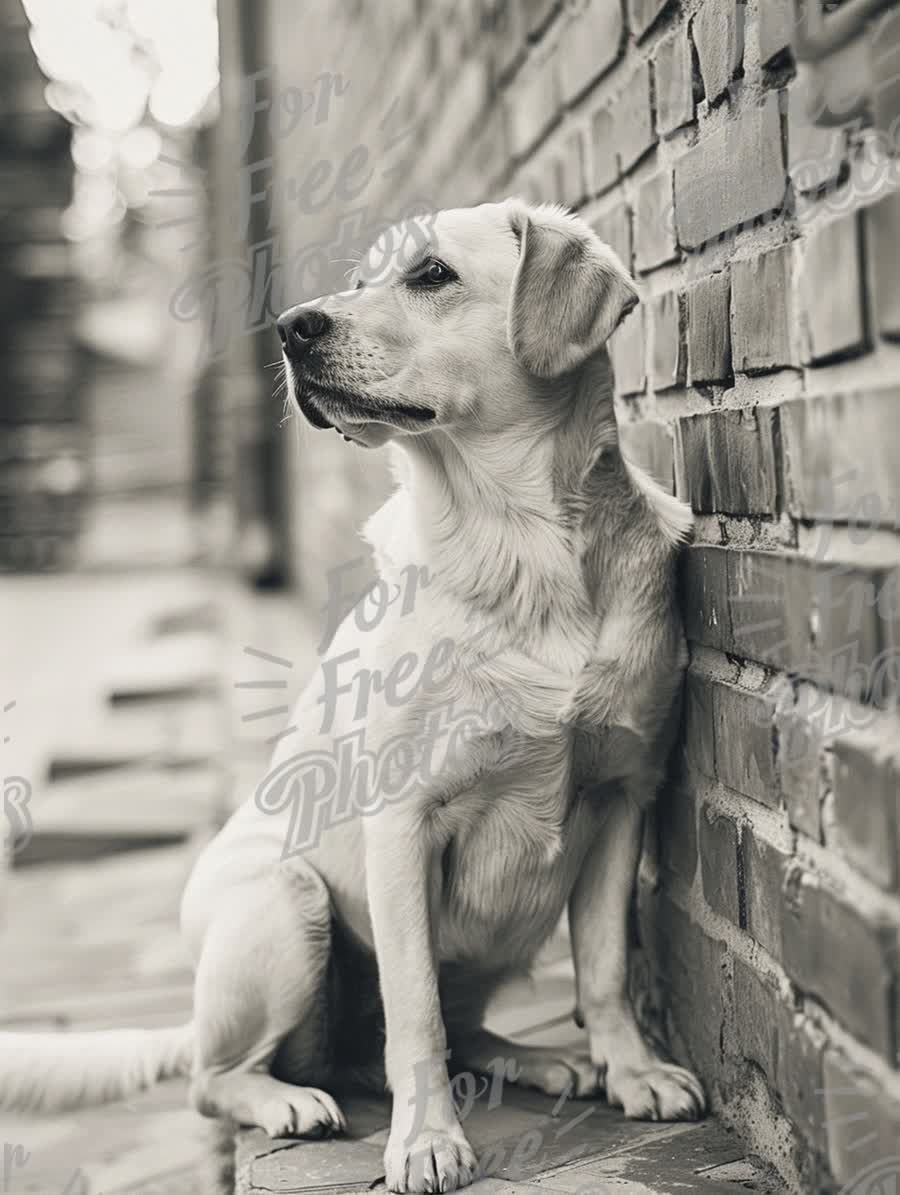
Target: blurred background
(173, 174)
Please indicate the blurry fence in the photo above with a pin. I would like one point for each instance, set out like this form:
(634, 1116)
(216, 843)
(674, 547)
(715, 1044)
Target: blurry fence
(742, 159)
(41, 425)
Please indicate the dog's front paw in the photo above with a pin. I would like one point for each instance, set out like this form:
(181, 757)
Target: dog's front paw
(432, 1161)
(660, 1091)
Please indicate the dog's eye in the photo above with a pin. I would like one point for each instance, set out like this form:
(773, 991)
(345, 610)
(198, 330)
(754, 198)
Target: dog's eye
(432, 273)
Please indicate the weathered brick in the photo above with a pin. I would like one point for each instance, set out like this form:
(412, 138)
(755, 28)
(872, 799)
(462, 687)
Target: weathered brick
(704, 595)
(884, 224)
(709, 329)
(627, 350)
(847, 626)
(691, 966)
(718, 31)
(726, 460)
(775, 28)
(669, 358)
(677, 825)
(799, 1074)
(816, 155)
(718, 845)
(642, 14)
(846, 959)
(743, 742)
(537, 13)
(866, 780)
(699, 723)
(863, 1121)
(762, 320)
(756, 1024)
(534, 103)
(649, 444)
(655, 224)
(834, 321)
(571, 179)
(763, 867)
(800, 729)
(634, 133)
(885, 74)
(674, 83)
(768, 603)
(731, 176)
(841, 457)
(604, 158)
(614, 227)
(591, 43)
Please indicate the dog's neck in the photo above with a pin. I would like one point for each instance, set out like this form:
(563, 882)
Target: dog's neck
(500, 520)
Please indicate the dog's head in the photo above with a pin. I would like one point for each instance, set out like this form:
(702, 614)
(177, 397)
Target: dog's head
(466, 316)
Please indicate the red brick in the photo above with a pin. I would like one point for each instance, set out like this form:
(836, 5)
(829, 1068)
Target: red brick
(709, 329)
(643, 13)
(655, 224)
(763, 868)
(745, 758)
(649, 444)
(834, 321)
(848, 629)
(885, 76)
(816, 155)
(863, 1121)
(614, 227)
(673, 77)
(731, 176)
(705, 599)
(634, 133)
(775, 28)
(762, 319)
(718, 846)
(866, 779)
(669, 358)
(590, 44)
(627, 350)
(842, 457)
(800, 727)
(718, 32)
(726, 460)
(604, 158)
(884, 224)
(677, 833)
(847, 960)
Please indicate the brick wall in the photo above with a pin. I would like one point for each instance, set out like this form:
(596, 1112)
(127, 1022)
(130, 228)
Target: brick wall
(751, 194)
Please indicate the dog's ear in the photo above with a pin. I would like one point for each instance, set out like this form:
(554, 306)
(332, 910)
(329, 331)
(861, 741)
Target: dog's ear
(569, 291)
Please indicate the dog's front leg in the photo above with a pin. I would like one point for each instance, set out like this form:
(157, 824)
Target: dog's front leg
(426, 1149)
(640, 1082)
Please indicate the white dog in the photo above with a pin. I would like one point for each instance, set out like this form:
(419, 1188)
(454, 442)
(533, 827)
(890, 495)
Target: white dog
(509, 726)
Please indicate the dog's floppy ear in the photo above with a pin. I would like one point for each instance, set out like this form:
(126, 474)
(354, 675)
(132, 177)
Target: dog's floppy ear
(569, 291)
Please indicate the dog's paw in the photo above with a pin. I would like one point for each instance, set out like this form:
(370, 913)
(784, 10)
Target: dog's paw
(432, 1161)
(661, 1091)
(305, 1112)
(557, 1071)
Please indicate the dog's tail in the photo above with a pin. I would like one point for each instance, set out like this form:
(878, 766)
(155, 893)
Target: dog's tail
(51, 1072)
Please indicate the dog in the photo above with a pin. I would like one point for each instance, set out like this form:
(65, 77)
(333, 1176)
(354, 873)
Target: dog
(520, 714)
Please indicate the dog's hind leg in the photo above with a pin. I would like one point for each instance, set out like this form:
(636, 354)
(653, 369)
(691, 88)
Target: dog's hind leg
(553, 1070)
(260, 994)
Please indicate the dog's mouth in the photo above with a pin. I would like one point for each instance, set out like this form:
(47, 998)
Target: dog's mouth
(326, 406)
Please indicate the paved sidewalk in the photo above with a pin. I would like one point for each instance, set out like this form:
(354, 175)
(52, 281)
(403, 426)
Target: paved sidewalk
(525, 1141)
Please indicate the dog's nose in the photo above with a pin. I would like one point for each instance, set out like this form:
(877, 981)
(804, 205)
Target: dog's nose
(299, 326)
